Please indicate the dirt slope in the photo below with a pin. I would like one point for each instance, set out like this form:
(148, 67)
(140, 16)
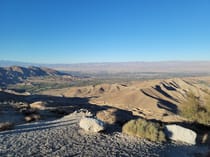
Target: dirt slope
(153, 99)
(16, 74)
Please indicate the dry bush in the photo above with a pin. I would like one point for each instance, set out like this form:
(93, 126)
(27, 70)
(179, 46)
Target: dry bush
(60, 111)
(28, 111)
(32, 117)
(207, 104)
(194, 111)
(6, 126)
(144, 129)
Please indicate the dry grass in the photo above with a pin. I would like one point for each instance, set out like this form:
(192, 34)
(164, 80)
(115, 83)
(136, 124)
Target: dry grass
(6, 126)
(195, 110)
(144, 129)
(207, 106)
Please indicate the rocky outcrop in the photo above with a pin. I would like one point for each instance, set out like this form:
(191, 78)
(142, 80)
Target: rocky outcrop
(92, 124)
(113, 116)
(179, 133)
(17, 74)
(38, 105)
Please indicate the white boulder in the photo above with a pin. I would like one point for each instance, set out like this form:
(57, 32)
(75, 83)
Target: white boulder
(92, 124)
(179, 133)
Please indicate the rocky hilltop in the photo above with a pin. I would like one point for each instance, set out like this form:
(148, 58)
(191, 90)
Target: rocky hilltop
(16, 74)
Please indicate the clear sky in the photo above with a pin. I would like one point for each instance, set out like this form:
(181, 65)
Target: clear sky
(72, 31)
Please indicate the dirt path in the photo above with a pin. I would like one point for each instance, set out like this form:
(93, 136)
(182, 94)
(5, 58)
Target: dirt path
(63, 138)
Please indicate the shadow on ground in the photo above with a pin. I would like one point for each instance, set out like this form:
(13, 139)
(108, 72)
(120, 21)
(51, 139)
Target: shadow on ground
(163, 104)
(56, 107)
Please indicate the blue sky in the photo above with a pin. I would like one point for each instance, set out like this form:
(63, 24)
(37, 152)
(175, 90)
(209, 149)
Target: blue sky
(72, 31)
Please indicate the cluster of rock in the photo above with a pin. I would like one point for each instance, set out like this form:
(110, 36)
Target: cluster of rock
(31, 111)
(110, 116)
(113, 116)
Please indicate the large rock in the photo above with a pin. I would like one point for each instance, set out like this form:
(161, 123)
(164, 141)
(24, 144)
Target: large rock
(179, 133)
(113, 116)
(91, 124)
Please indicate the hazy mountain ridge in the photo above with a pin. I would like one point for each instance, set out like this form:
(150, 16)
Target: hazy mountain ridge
(16, 74)
(113, 67)
(166, 66)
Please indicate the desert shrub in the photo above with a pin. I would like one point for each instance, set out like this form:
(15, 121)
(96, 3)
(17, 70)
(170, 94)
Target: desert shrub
(144, 129)
(6, 126)
(207, 104)
(32, 117)
(194, 110)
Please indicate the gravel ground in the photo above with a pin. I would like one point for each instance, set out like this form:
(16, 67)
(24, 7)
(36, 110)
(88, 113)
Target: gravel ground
(64, 138)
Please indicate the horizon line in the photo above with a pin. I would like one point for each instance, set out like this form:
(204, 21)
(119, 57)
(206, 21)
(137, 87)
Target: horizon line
(104, 62)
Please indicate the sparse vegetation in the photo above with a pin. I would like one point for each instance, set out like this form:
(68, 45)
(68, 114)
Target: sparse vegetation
(36, 85)
(40, 86)
(195, 110)
(208, 104)
(144, 129)
(32, 117)
(6, 126)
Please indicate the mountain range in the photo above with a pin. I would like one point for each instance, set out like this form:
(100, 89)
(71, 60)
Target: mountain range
(16, 74)
(114, 67)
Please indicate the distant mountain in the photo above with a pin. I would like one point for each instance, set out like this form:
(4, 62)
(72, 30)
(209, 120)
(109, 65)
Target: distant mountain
(165, 66)
(15, 74)
(115, 67)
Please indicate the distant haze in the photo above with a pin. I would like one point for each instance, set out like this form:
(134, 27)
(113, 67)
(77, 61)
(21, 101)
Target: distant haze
(166, 66)
(196, 67)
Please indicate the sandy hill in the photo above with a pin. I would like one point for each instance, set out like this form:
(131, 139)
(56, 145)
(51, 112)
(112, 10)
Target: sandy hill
(153, 99)
(15, 74)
